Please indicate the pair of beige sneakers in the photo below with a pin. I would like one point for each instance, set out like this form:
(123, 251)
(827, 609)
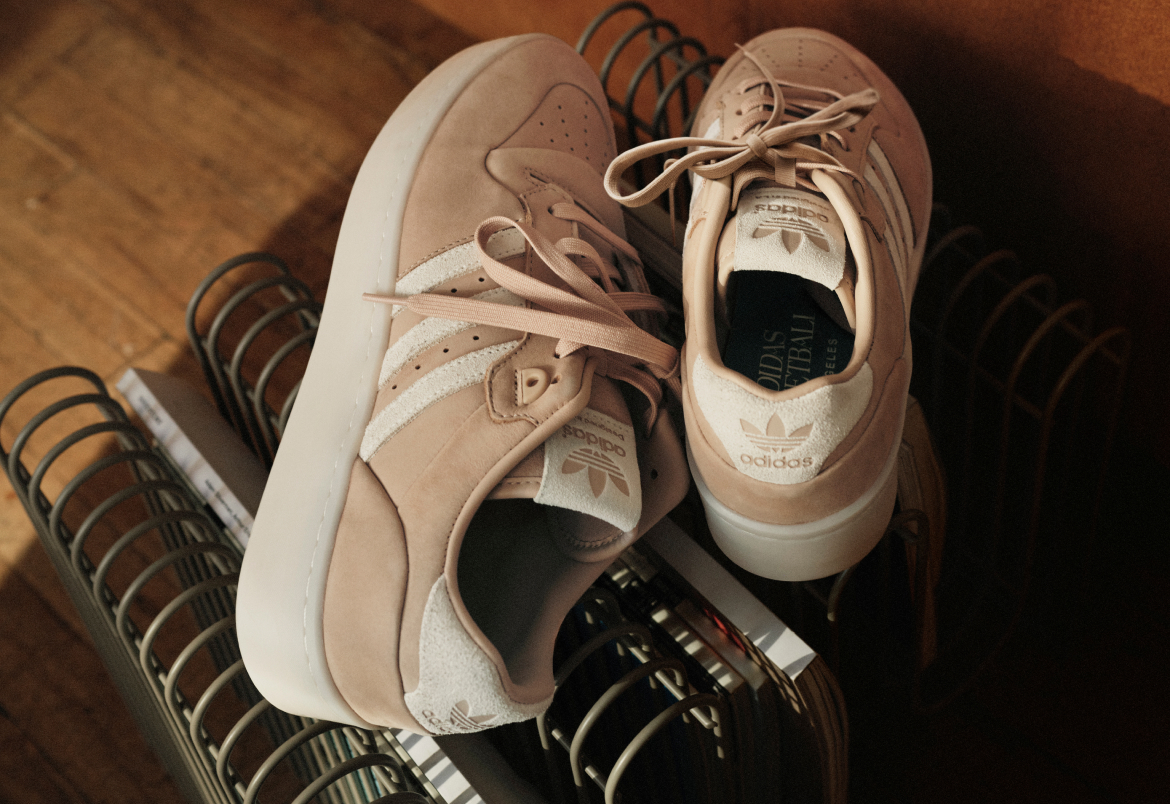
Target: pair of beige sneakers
(481, 426)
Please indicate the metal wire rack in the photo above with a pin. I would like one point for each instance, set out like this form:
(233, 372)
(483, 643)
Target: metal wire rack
(1023, 393)
(153, 577)
(268, 308)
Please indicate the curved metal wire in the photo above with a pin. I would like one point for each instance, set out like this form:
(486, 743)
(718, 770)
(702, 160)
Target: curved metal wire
(195, 724)
(222, 767)
(180, 663)
(270, 433)
(349, 766)
(255, 412)
(282, 752)
(101, 401)
(57, 511)
(645, 671)
(654, 59)
(604, 17)
(13, 467)
(699, 68)
(689, 704)
(145, 651)
(207, 356)
(119, 428)
(219, 366)
(122, 612)
(132, 535)
(236, 400)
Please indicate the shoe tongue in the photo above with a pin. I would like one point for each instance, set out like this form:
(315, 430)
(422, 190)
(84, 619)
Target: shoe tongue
(791, 231)
(588, 466)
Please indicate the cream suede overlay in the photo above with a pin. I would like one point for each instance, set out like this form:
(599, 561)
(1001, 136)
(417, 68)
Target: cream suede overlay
(789, 231)
(767, 439)
(433, 331)
(459, 688)
(591, 466)
(458, 261)
(447, 379)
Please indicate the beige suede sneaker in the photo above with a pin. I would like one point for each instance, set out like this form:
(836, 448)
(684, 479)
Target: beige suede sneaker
(811, 198)
(479, 430)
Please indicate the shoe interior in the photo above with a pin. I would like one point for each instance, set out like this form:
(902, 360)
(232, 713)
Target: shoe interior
(784, 329)
(518, 581)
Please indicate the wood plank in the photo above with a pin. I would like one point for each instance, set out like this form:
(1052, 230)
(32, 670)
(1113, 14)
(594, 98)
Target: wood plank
(69, 712)
(111, 141)
(210, 130)
(285, 90)
(69, 310)
(134, 250)
(420, 41)
(34, 35)
(29, 776)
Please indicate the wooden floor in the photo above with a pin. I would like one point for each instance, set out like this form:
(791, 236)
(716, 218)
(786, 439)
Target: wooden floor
(141, 143)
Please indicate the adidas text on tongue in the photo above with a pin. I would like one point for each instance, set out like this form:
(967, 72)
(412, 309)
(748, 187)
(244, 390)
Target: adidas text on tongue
(792, 209)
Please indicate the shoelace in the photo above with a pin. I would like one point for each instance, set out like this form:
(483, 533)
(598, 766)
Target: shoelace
(591, 315)
(766, 143)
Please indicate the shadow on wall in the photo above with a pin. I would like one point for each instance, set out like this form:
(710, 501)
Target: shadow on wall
(1052, 160)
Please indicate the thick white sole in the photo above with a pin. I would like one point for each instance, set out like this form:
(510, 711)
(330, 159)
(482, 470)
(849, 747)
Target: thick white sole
(282, 582)
(811, 549)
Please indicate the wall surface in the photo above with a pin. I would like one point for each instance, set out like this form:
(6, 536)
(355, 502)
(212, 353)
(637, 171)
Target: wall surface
(1046, 121)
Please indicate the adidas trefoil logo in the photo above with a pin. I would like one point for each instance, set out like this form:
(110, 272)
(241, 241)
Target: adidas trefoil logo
(775, 439)
(792, 233)
(601, 470)
(459, 719)
(462, 719)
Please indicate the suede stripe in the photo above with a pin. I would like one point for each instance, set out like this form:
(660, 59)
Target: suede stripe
(887, 171)
(432, 331)
(456, 262)
(450, 378)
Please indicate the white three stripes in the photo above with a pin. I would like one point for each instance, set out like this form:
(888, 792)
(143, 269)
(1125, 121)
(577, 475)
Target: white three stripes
(455, 375)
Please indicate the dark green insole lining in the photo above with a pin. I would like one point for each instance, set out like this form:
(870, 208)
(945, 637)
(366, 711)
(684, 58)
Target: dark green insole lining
(780, 337)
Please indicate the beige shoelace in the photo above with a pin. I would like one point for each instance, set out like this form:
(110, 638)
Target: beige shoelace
(592, 314)
(764, 145)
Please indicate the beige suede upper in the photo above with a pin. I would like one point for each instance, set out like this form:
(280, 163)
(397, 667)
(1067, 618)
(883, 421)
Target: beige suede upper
(858, 410)
(530, 131)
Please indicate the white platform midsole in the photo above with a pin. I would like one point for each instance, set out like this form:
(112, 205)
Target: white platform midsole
(806, 550)
(282, 583)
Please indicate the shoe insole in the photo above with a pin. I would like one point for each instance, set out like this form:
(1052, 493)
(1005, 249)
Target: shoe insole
(780, 336)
